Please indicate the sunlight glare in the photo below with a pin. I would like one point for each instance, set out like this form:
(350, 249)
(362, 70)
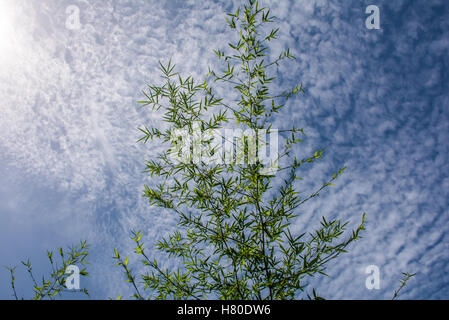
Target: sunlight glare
(6, 30)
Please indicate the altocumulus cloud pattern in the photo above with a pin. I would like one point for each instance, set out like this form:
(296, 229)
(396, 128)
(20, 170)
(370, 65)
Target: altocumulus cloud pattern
(377, 99)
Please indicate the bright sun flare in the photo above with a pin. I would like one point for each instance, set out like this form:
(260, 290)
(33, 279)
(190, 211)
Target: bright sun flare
(6, 28)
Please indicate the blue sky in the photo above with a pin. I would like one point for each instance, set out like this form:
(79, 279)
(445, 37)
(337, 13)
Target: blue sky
(377, 99)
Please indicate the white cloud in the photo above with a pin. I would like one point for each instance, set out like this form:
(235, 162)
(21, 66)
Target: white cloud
(69, 119)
